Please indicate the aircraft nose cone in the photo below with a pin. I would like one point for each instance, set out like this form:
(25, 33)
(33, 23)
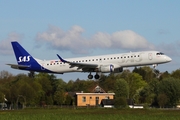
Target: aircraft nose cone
(168, 59)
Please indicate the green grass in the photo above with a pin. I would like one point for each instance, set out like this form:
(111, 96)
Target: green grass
(90, 114)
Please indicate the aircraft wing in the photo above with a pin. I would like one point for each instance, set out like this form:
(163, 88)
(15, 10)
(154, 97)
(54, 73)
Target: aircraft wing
(83, 66)
(15, 66)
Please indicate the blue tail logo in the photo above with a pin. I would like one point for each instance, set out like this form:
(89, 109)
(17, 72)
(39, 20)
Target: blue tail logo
(22, 56)
(24, 59)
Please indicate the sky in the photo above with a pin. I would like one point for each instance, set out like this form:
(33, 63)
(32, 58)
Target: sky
(89, 27)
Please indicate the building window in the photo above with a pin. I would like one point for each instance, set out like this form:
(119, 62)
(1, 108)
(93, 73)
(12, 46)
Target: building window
(97, 98)
(107, 97)
(83, 99)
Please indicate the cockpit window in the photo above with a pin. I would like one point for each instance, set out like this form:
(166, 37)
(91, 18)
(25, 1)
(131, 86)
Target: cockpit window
(160, 53)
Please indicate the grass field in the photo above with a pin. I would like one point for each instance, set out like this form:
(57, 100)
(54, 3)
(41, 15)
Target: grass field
(90, 114)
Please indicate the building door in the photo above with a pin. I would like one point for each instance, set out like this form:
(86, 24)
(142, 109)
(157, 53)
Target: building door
(97, 101)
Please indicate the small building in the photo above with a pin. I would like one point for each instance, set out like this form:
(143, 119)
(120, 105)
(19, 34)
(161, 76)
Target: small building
(93, 99)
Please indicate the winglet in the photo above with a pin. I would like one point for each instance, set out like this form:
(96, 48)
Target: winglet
(62, 60)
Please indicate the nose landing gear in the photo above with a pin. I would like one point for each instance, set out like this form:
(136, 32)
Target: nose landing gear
(156, 71)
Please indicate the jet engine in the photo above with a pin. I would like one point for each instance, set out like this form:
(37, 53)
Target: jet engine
(106, 68)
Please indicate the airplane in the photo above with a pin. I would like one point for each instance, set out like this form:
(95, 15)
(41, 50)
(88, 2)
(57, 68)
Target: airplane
(112, 63)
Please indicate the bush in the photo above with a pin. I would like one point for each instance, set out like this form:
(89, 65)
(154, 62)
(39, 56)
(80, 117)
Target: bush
(120, 102)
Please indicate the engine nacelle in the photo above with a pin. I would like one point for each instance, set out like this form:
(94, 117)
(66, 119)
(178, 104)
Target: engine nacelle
(106, 68)
(118, 70)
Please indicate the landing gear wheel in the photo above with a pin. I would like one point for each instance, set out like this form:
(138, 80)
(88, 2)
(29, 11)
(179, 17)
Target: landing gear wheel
(90, 76)
(96, 76)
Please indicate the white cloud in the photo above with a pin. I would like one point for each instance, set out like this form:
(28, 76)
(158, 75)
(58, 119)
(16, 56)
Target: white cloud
(5, 45)
(74, 41)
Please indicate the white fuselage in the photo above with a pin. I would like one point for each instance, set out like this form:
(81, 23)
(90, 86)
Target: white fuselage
(117, 60)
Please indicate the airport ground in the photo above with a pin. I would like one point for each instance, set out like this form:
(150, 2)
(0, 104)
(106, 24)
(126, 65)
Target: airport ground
(90, 114)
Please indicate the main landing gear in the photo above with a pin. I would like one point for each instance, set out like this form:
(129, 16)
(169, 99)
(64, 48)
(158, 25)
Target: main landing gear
(90, 76)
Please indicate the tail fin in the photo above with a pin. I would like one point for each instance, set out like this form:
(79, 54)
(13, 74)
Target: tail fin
(22, 56)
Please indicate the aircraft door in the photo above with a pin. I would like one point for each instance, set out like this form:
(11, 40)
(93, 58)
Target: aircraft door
(150, 56)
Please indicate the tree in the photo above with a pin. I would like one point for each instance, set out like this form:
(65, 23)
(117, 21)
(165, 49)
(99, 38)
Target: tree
(43, 80)
(164, 75)
(170, 87)
(146, 72)
(60, 85)
(162, 99)
(134, 81)
(148, 94)
(1, 97)
(68, 100)
(121, 88)
(121, 91)
(109, 82)
(49, 100)
(28, 92)
(59, 97)
(4, 75)
(69, 86)
(120, 102)
(176, 74)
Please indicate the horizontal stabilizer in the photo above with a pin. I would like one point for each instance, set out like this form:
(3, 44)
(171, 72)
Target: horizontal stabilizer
(15, 66)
